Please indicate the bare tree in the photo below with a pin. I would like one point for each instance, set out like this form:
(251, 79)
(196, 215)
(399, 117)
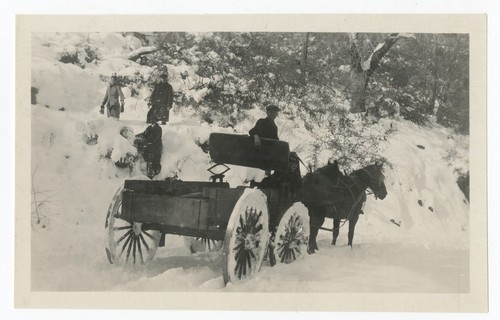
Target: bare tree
(361, 71)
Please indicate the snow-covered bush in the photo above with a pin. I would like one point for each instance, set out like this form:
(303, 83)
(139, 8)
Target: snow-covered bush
(354, 141)
(79, 55)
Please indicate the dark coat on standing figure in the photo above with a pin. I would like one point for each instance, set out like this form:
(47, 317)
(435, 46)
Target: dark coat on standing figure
(161, 101)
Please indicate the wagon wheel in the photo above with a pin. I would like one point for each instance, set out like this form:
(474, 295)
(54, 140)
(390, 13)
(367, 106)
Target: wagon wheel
(128, 243)
(292, 235)
(246, 238)
(199, 244)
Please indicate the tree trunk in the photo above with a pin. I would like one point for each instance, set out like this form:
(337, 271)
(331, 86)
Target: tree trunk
(359, 82)
(432, 102)
(362, 70)
(303, 60)
(358, 77)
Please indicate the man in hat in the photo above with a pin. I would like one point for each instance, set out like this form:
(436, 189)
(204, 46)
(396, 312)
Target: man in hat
(265, 127)
(161, 100)
(113, 99)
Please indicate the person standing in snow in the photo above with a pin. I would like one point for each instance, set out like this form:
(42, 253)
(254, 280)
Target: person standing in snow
(161, 100)
(113, 99)
(149, 144)
(265, 127)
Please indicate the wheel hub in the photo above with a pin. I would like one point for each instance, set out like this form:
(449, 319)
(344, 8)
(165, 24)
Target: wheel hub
(250, 242)
(292, 244)
(137, 228)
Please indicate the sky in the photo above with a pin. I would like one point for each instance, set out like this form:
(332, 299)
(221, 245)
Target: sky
(97, 7)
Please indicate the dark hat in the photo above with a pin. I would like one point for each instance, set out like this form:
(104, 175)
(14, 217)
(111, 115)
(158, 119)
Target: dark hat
(164, 75)
(272, 107)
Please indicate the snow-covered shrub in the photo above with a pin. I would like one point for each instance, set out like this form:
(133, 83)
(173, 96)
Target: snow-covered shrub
(352, 140)
(70, 57)
(91, 54)
(79, 55)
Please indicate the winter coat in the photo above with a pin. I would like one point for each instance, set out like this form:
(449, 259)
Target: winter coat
(149, 143)
(265, 128)
(162, 99)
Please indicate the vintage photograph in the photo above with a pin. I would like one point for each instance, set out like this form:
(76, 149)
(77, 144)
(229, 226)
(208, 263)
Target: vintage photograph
(220, 161)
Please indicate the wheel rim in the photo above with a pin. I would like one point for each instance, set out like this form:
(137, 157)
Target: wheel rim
(292, 235)
(246, 237)
(128, 243)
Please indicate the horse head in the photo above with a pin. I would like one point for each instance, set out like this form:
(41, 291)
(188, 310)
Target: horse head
(373, 178)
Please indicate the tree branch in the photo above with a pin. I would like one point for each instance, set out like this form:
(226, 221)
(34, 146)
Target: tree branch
(380, 51)
(136, 54)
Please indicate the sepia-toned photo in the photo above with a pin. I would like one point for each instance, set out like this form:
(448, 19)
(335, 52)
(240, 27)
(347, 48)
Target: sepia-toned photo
(193, 163)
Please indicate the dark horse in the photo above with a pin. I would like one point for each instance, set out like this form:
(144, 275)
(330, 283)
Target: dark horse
(327, 193)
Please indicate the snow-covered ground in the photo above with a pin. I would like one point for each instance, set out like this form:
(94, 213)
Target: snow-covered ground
(414, 241)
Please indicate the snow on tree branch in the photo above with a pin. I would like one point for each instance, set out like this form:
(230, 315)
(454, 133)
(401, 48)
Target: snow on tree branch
(371, 63)
(373, 60)
(134, 55)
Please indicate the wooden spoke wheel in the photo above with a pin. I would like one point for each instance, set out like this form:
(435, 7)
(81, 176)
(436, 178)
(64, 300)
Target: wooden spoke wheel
(246, 238)
(128, 243)
(292, 235)
(197, 244)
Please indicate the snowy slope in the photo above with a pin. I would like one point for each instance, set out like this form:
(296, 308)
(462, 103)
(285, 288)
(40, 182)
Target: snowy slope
(415, 240)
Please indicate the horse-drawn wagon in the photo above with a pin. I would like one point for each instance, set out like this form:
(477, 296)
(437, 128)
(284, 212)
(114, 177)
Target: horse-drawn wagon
(253, 223)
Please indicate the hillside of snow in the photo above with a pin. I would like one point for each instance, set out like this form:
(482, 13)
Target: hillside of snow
(416, 240)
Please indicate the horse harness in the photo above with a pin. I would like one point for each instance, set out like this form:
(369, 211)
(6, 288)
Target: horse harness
(354, 178)
(351, 187)
(373, 181)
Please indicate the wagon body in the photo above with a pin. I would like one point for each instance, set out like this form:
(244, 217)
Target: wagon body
(191, 208)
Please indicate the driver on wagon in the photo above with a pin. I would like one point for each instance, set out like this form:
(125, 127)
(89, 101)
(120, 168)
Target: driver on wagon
(265, 127)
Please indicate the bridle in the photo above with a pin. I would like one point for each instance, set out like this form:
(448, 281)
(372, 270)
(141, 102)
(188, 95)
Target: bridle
(373, 182)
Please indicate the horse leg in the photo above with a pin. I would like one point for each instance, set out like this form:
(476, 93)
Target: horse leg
(336, 227)
(316, 221)
(352, 224)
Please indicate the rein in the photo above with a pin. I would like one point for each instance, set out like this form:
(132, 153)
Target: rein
(365, 191)
(350, 214)
(357, 200)
(310, 170)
